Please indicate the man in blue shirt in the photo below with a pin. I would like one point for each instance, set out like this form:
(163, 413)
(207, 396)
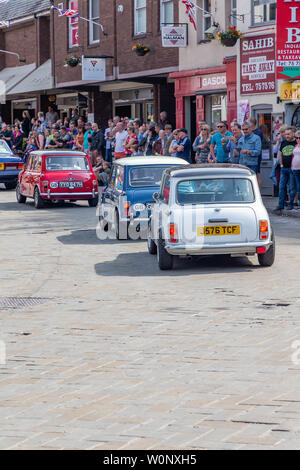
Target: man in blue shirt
(217, 141)
(185, 145)
(249, 148)
(231, 144)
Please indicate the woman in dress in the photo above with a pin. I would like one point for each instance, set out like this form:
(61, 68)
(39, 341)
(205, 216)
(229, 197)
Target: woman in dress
(202, 145)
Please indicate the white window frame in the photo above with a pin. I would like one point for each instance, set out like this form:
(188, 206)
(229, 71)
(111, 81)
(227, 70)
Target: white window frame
(262, 22)
(163, 18)
(233, 11)
(136, 8)
(72, 26)
(202, 20)
(91, 26)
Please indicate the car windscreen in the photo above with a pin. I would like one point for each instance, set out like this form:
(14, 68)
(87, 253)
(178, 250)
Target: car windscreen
(4, 148)
(221, 190)
(146, 176)
(67, 163)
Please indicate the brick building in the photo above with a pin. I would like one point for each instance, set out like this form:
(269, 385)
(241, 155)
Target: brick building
(26, 76)
(133, 85)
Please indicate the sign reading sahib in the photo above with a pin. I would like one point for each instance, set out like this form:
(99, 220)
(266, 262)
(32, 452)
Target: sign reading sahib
(258, 65)
(288, 39)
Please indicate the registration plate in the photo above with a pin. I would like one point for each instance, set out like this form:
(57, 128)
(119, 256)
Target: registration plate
(71, 184)
(218, 230)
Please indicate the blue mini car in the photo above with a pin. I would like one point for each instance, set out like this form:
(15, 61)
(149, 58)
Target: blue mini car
(127, 199)
(10, 166)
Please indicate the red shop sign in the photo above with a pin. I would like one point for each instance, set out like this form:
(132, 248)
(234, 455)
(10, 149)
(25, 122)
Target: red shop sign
(288, 39)
(258, 65)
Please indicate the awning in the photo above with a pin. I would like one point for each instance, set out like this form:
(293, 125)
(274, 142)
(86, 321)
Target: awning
(37, 80)
(12, 76)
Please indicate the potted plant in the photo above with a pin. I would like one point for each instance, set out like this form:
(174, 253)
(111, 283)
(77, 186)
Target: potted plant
(72, 61)
(229, 38)
(140, 49)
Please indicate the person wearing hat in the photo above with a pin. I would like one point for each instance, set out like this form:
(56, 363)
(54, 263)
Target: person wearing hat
(185, 145)
(88, 133)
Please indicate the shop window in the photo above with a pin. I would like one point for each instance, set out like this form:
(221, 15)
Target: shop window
(140, 17)
(94, 16)
(203, 19)
(73, 26)
(166, 11)
(263, 11)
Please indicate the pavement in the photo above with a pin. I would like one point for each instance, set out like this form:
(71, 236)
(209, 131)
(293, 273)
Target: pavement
(104, 351)
(272, 202)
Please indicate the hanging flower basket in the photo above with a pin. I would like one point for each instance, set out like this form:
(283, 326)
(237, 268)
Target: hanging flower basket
(230, 37)
(140, 49)
(72, 61)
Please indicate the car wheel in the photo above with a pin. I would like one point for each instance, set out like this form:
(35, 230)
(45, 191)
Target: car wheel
(11, 185)
(38, 201)
(20, 198)
(267, 259)
(93, 202)
(164, 259)
(152, 248)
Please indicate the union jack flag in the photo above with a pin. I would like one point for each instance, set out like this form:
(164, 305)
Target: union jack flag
(191, 12)
(67, 13)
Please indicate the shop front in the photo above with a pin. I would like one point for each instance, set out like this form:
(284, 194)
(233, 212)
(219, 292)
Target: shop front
(205, 94)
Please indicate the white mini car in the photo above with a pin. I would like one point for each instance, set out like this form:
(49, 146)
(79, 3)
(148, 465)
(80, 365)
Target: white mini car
(210, 210)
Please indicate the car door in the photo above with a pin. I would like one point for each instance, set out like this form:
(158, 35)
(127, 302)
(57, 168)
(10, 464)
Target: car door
(36, 173)
(26, 176)
(108, 196)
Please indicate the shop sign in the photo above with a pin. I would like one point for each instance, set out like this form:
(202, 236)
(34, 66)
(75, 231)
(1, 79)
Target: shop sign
(288, 39)
(213, 82)
(290, 91)
(93, 68)
(243, 111)
(258, 65)
(174, 36)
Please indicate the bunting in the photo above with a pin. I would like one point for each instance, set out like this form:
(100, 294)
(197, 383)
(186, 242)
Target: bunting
(191, 12)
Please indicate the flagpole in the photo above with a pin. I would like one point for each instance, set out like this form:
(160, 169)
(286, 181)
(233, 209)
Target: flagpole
(94, 22)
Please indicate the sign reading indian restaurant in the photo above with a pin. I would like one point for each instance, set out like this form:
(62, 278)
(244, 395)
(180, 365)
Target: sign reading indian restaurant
(174, 36)
(288, 39)
(258, 64)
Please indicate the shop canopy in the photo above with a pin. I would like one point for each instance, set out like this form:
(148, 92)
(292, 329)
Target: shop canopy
(37, 80)
(12, 76)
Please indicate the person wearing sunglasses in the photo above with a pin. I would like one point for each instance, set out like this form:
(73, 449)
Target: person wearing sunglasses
(217, 151)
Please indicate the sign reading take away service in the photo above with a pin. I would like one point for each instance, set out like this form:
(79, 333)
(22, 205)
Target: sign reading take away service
(288, 39)
(258, 64)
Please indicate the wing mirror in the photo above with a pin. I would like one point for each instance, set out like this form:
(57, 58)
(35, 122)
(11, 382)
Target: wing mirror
(155, 196)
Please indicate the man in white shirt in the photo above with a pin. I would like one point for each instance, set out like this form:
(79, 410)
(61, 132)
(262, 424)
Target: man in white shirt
(120, 136)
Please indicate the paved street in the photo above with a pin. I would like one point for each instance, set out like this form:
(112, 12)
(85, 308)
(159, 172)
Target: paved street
(122, 356)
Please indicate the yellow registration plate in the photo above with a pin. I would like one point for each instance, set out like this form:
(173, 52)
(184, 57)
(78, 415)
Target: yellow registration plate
(2, 166)
(218, 230)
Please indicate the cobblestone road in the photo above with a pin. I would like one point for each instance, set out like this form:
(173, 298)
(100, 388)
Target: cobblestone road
(122, 356)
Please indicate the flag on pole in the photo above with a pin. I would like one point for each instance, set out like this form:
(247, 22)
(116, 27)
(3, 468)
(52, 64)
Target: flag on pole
(191, 12)
(68, 13)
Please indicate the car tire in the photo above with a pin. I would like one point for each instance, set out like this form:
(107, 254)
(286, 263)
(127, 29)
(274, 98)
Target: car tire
(152, 248)
(11, 185)
(164, 259)
(267, 259)
(20, 198)
(38, 201)
(93, 202)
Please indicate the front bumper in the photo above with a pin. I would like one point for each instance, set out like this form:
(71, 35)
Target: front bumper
(216, 249)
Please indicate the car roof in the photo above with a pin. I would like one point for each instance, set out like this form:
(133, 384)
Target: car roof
(58, 153)
(210, 169)
(150, 160)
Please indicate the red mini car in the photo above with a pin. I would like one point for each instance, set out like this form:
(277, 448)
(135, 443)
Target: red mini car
(57, 176)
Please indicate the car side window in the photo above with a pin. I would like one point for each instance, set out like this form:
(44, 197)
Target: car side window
(37, 164)
(29, 162)
(165, 195)
(113, 176)
(119, 178)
